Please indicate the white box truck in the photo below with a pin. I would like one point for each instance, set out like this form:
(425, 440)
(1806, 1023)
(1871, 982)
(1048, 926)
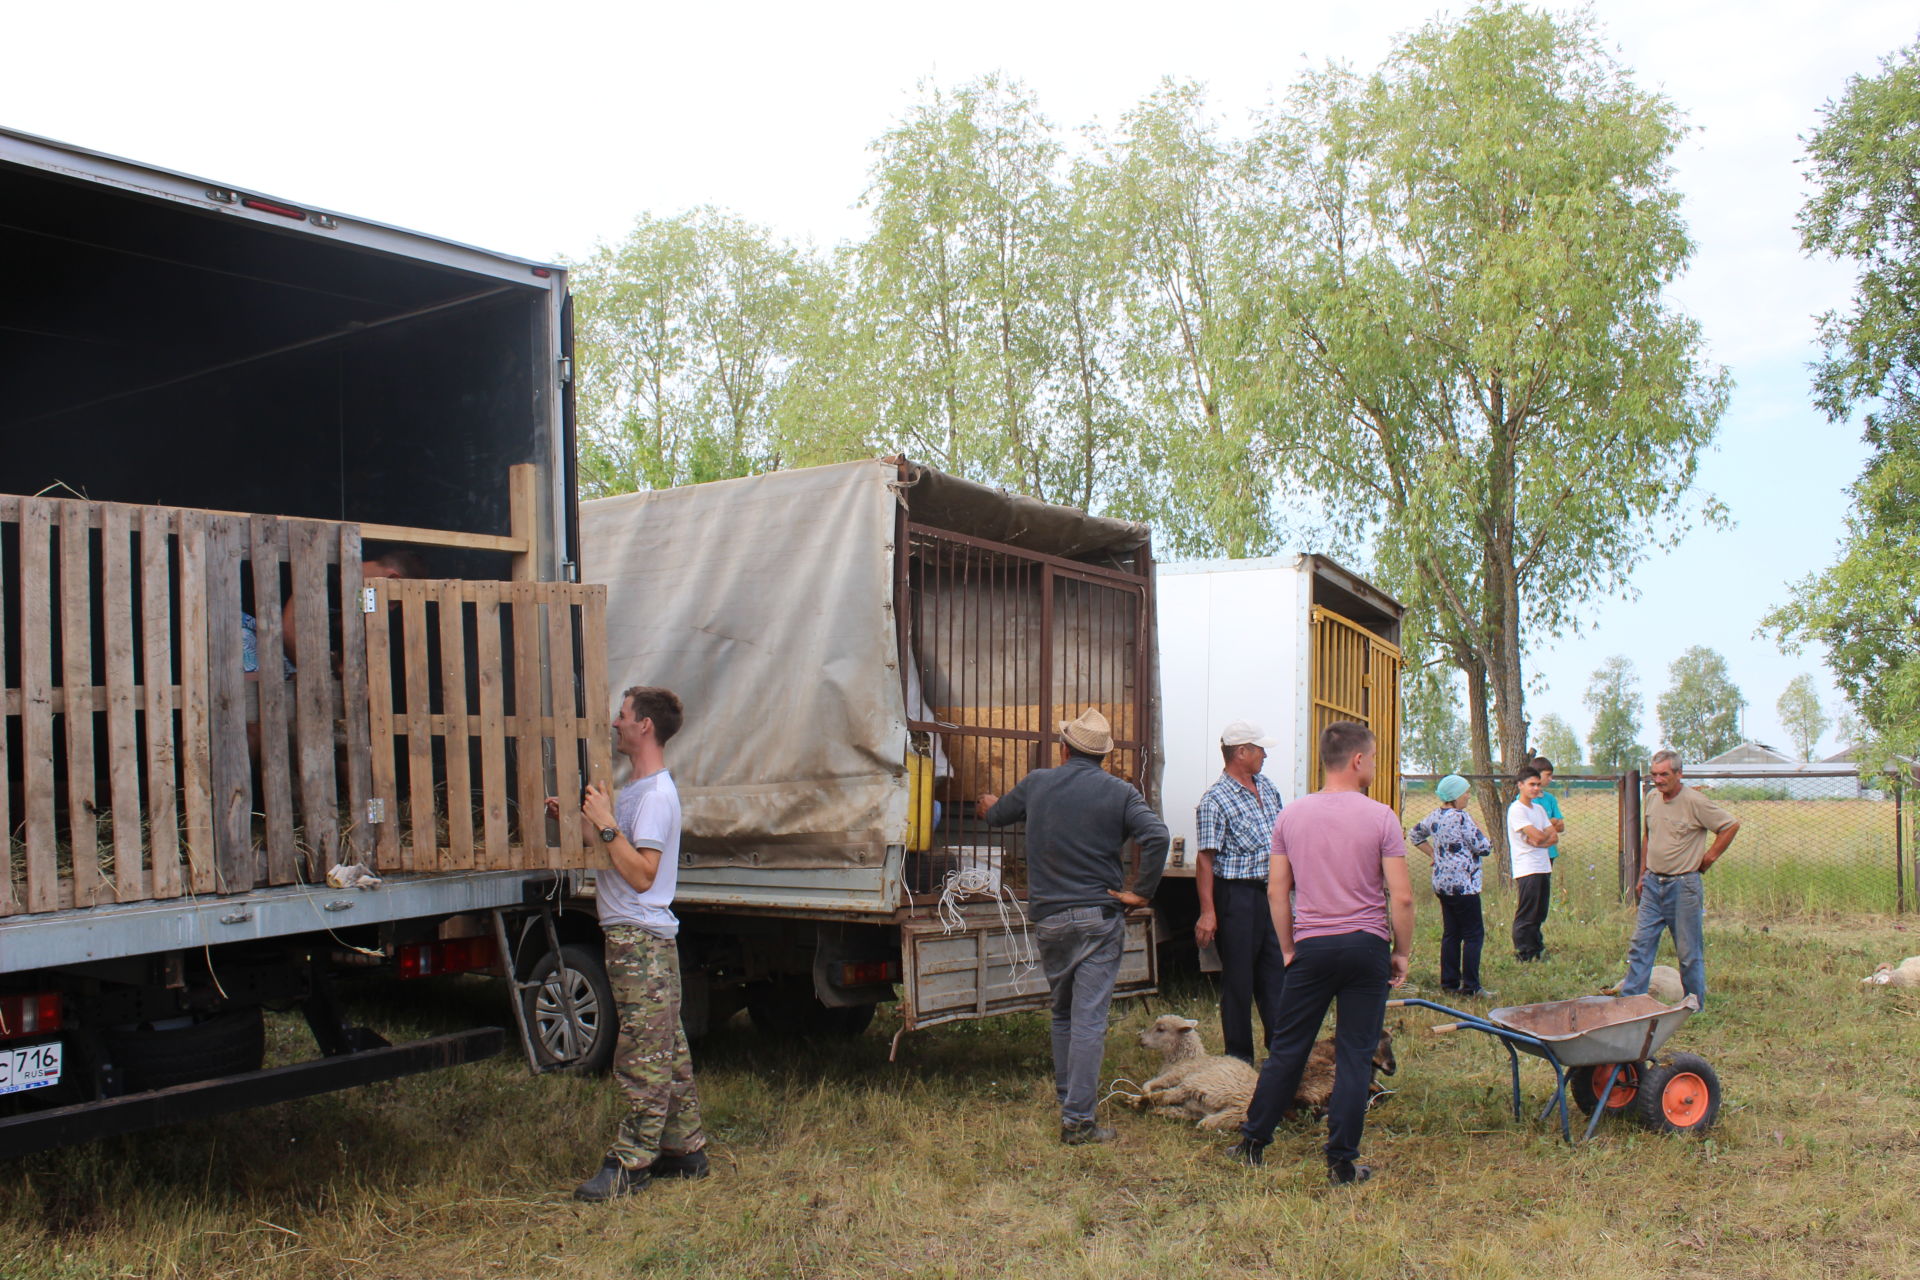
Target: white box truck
(1290, 642)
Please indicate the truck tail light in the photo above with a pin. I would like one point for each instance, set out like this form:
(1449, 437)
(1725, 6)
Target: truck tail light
(867, 972)
(31, 1015)
(454, 955)
(268, 206)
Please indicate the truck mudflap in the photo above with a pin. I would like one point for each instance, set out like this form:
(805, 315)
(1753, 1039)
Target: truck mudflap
(984, 967)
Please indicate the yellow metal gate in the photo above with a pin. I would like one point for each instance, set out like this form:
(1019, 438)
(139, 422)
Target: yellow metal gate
(1356, 676)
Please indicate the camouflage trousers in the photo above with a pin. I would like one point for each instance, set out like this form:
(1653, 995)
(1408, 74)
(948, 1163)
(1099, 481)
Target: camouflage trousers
(650, 1059)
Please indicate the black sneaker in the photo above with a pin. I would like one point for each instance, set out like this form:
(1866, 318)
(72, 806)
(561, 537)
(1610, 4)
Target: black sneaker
(613, 1180)
(1077, 1133)
(1346, 1173)
(691, 1165)
(1479, 993)
(1249, 1152)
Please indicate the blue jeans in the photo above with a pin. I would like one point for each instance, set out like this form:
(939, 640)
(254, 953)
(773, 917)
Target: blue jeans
(1080, 952)
(1351, 968)
(1678, 904)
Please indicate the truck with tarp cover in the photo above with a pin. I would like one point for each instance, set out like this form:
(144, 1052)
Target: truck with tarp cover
(863, 649)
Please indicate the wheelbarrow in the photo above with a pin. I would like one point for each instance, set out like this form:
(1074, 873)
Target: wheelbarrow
(1603, 1047)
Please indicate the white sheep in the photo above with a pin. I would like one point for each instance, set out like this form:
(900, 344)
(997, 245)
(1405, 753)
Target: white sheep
(1665, 986)
(1907, 974)
(1212, 1091)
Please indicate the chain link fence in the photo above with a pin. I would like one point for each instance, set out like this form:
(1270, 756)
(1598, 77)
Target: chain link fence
(1812, 838)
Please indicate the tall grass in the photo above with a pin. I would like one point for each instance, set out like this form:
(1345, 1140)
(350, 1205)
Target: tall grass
(831, 1162)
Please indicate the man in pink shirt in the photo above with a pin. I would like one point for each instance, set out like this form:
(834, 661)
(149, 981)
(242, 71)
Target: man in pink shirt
(1346, 936)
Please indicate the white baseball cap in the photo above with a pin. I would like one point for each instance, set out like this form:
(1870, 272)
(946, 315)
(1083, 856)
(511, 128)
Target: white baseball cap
(1244, 733)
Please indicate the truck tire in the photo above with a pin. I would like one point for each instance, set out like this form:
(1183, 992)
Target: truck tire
(790, 1011)
(596, 1027)
(225, 1044)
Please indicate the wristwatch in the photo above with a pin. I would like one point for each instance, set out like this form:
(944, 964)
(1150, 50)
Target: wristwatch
(609, 834)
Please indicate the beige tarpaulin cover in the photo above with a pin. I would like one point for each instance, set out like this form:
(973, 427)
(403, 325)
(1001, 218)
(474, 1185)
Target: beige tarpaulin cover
(766, 603)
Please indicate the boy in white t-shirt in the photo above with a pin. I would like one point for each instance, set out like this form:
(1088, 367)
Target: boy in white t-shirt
(1530, 841)
(660, 1135)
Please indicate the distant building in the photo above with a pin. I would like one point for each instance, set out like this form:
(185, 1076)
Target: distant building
(1755, 764)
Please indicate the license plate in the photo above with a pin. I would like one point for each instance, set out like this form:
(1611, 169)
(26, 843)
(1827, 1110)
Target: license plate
(33, 1067)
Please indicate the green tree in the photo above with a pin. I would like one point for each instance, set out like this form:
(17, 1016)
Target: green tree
(684, 333)
(1556, 740)
(1613, 695)
(1864, 208)
(1433, 736)
(1802, 715)
(1700, 711)
(1472, 351)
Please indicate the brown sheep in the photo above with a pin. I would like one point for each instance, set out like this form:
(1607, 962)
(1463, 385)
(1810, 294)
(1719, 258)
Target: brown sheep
(1215, 1091)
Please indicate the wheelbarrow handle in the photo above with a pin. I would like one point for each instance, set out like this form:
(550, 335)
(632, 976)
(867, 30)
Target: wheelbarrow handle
(1446, 1026)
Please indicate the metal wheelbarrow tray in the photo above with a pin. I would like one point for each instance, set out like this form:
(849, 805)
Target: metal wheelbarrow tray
(1604, 1047)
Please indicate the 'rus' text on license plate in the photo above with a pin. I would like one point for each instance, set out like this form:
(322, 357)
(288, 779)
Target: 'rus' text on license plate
(33, 1067)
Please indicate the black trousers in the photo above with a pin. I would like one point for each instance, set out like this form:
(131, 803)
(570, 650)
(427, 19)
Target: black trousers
(1462, 929)
(1533, 895)
(1351, 968)
(1251, 969)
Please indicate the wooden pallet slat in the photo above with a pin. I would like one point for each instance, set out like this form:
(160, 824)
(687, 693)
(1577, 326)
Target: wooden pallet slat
(196, 709)
(420, 851)
(384, 788)
(600, 707)
(157, 677)
(123, 744)
(452, 620)
(270, 696)
(226, 678)
(36, 699)
(566, 726)
(491, 678)
(359, 836)
(528, 742)
(76, 648)
(313, 753)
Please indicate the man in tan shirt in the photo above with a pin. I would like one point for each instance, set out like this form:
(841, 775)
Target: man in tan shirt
(1679, 821)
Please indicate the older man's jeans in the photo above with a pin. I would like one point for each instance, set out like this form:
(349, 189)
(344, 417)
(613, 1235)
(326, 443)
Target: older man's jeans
(1675, 903)
(1080, 952)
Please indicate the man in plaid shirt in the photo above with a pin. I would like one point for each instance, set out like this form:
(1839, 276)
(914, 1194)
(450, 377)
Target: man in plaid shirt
(1234, 829)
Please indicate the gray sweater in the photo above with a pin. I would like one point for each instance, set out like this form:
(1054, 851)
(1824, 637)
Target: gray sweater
(1079, 818)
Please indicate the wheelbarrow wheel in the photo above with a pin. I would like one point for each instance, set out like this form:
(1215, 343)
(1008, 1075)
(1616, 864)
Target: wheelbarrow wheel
(1681, 1095)
(1587, 1082)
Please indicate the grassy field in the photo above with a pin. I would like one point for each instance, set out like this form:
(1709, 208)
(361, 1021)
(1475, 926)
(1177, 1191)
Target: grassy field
(1791, 857)
(830, 1162)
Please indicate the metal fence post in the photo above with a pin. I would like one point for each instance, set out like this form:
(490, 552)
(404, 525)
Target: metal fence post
(1899, 844)
(1630, 852)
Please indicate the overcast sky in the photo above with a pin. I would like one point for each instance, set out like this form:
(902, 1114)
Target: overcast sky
(543, 129)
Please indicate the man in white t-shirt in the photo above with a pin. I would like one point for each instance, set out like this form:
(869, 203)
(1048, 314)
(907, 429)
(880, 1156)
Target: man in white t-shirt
(660, 1136)
(1530, 840)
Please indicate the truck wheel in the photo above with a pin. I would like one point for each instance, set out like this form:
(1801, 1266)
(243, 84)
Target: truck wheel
(1587, 1082)
(225, 1044)
(790, 1011)
(1679, 1096)
(590, 1037)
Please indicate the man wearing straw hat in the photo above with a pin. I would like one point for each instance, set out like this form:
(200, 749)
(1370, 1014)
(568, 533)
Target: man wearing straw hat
(1079, 819)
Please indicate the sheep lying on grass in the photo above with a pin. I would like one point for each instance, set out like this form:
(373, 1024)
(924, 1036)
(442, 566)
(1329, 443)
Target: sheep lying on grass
(1905, 974)
(1663, 984)
(1215, 1091)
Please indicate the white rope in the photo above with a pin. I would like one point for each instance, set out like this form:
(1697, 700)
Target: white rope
(1135, 1094)
(965, 881)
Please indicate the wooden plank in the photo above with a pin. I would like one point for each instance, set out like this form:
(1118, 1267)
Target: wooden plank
(270, 695)
(360, 838)
(493, 730)
(123, 743)
(423, 825)
(459, 745)
(76, 646)
(443, 538)
(527, 698)
(196, 709)
(566, 719)
(385, 792)
(308, 542)
(523, 513)
(599, 698)
(157, 702)
(232, 783)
